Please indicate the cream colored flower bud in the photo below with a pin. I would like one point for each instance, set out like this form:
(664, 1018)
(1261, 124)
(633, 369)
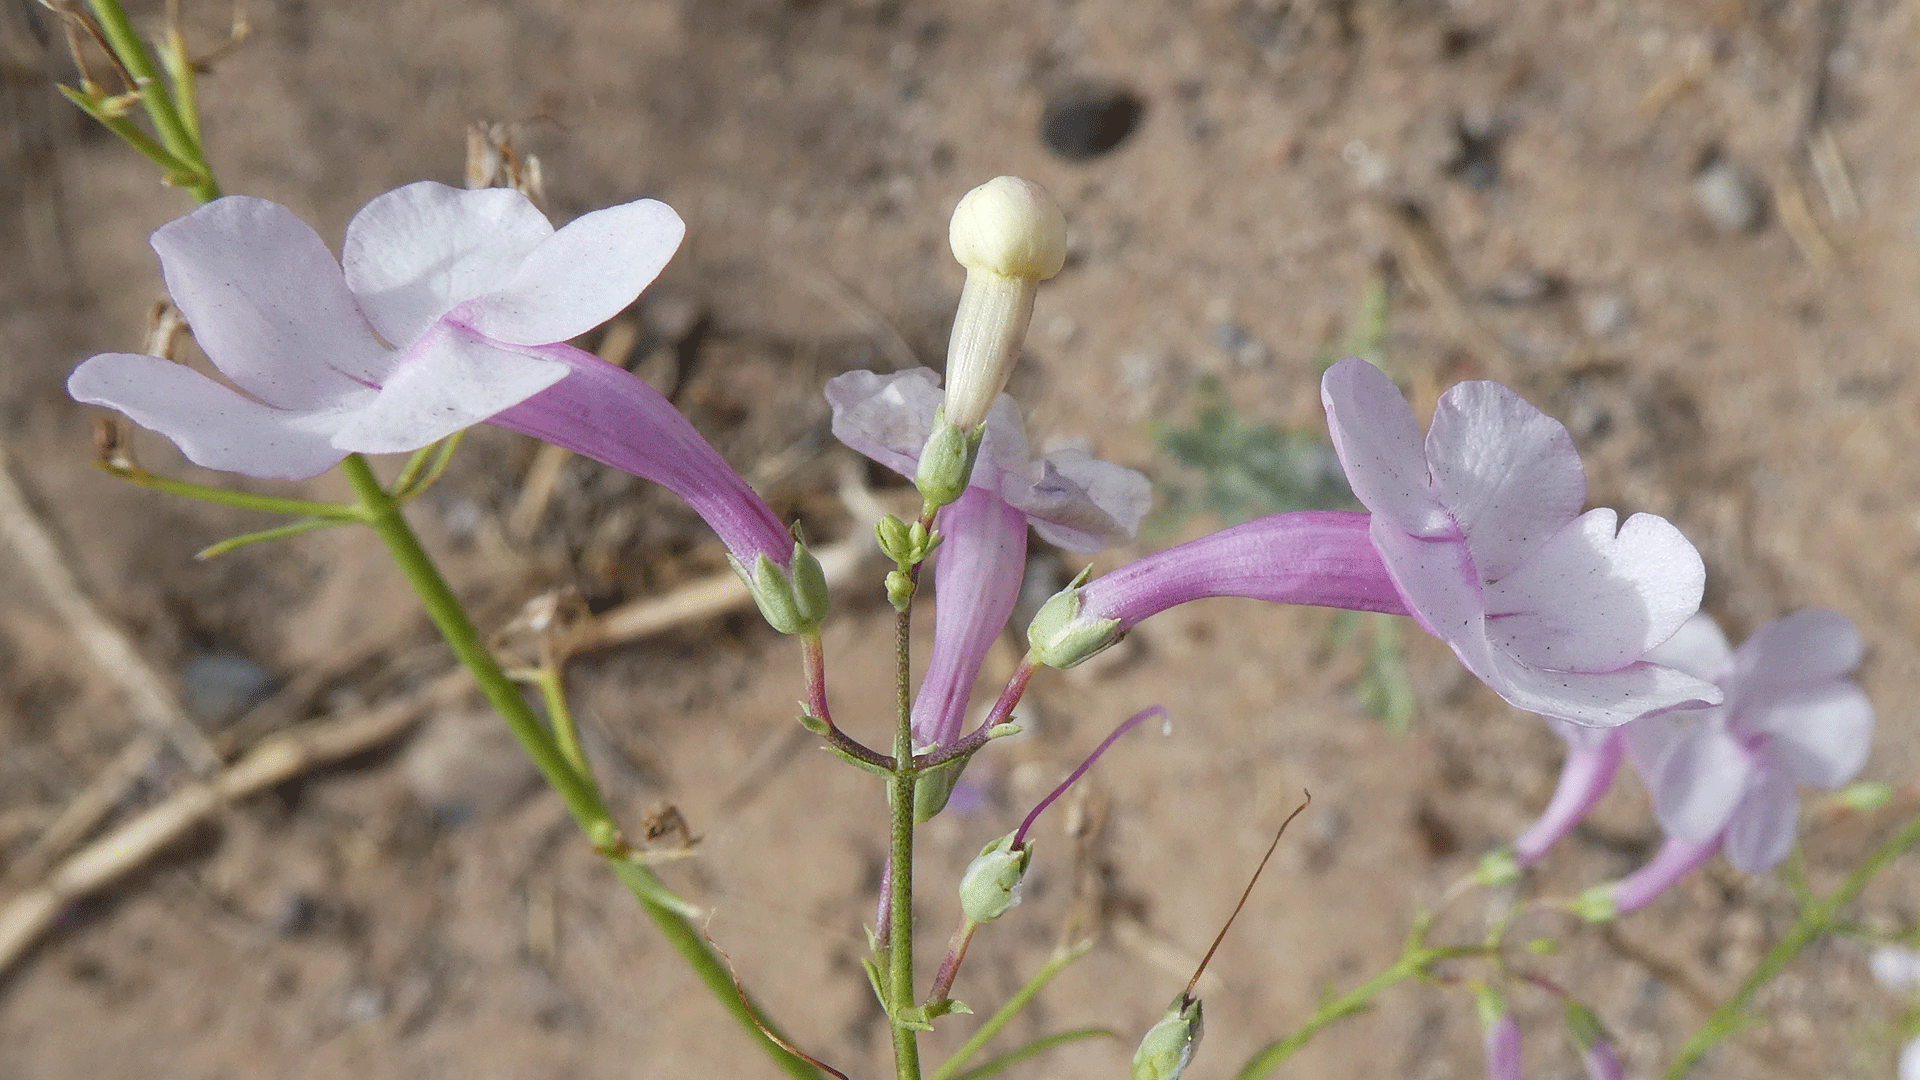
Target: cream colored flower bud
(1010, 236)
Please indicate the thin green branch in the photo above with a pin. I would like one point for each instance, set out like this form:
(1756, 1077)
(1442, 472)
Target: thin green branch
(1034, 1049)
(272, 504)
(425, 467)
(1058, 962)
(296, 528)
(1732, 1016)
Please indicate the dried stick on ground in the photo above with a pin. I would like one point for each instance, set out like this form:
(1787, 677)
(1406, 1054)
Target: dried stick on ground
(274, 761)
(153, 703)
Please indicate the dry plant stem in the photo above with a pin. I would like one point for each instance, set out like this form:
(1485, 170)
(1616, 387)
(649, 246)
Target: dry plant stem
(576, 790)
(274, 761)
(1815, 920)
(152, 702)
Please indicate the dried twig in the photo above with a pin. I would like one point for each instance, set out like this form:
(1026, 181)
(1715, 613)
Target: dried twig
(277, 760)
(153, 703)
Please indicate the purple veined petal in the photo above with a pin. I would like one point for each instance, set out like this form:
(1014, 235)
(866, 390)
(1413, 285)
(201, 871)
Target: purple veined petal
(885, 417)
(1592, 600)
(1699, 783)
(417, 252)
(1809, 646)
(1818, 736)
(1323, 558)
(581, 276)
(214, 426)
(1669, 866)
(1502, 1041)
(267, 303)
(1379, 445)
(1505, 471)
(1442, 591)
(976, 579)
(1698, 648)
(606, 413)
(1593, 757)
(448, 381)
(1080, 503)
(1597, 699)
(1765, 826)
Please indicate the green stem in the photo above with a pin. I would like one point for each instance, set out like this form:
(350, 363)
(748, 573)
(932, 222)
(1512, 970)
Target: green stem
(560, 716)
(906, 1038)
(1034, 1049)
(174, 133)
(1413, 963)
(280, 532)
(1055, 965)
(1730, 1017)
(579, 793)
(272, 504)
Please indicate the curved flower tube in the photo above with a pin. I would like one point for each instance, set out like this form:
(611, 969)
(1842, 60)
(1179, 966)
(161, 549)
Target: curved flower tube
(447, 308)
(1593, 758)
(1481, 530)
(1070, 498)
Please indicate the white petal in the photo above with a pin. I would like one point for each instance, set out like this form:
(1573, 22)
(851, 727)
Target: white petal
(1909, 1068)
(267, 303)
(1598, 699)
(581, 276)
(1698, 648)
(1648, 737)
(1437, 579)
(886, 417)
(1590, 600)
(1818, 736)
(416, 252)
(1807, 647)
(1507, 472)
(1765, 826)
(1699, 782)
(448, 382)
(1379, 446)
(1084, 504)
(214, 426)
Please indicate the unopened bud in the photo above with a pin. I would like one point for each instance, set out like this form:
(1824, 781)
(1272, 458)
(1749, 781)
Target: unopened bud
(1596, 1049)
(991, 884)
(1010, 235)
(1060, 637)
(1168, 1047)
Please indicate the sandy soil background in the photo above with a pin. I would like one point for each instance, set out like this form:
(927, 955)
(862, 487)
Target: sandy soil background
(1690, 230)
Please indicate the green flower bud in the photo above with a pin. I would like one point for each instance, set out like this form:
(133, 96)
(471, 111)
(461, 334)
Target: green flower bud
(932, 789)
(1497, 867)
(1168, 1047)
(794, 602)
(947, 462)
(991, 884)
(1597, 904)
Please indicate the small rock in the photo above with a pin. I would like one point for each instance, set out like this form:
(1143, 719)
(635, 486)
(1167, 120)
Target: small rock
(298, 913)
(216, 689)
(1606, 314)
(1234, 340)
(1731, 198)
(1523, 286)
(1084, 122)
(467, 766)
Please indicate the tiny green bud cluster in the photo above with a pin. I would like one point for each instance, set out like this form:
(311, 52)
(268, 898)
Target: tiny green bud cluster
(1058, 636)
(1010, 236)
(793, 601)
(908, 546)
(991, 884)
(1167, 1049)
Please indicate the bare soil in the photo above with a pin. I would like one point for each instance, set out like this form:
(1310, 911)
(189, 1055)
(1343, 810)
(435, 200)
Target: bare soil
(1522, 178)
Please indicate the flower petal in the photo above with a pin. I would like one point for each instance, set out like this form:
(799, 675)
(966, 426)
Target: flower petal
(1764, 828)
(976, 579)
(1648, 737)
(886, 417)
(581, 276)
(1600, 699)
(1379, 446)
(1589, 600)
(417, 252)
(1699, 782)
(1507, 472)
(1081, 503)
(1819, 735)
(448, 381)
(267, 303)
(1441, 588)
(1698, 648)
(213, 426)
(1809, 646)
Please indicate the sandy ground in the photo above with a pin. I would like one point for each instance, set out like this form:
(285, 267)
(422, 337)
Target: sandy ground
(1523, 179)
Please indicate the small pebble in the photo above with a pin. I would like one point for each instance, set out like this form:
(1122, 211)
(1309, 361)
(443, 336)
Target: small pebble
(1730, 197)
(1084, 122)
(298, 912)
(1234, 340)
(216, 689)
(1522, 286)
(1606, 315)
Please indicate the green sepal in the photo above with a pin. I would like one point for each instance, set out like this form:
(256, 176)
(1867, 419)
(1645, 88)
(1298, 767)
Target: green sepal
(1058, 637)
(1168, 1046)
(813, 723)
(932, 787)
(1596, 905)
(1497, 867)
(946, 463)
(936, 1009)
